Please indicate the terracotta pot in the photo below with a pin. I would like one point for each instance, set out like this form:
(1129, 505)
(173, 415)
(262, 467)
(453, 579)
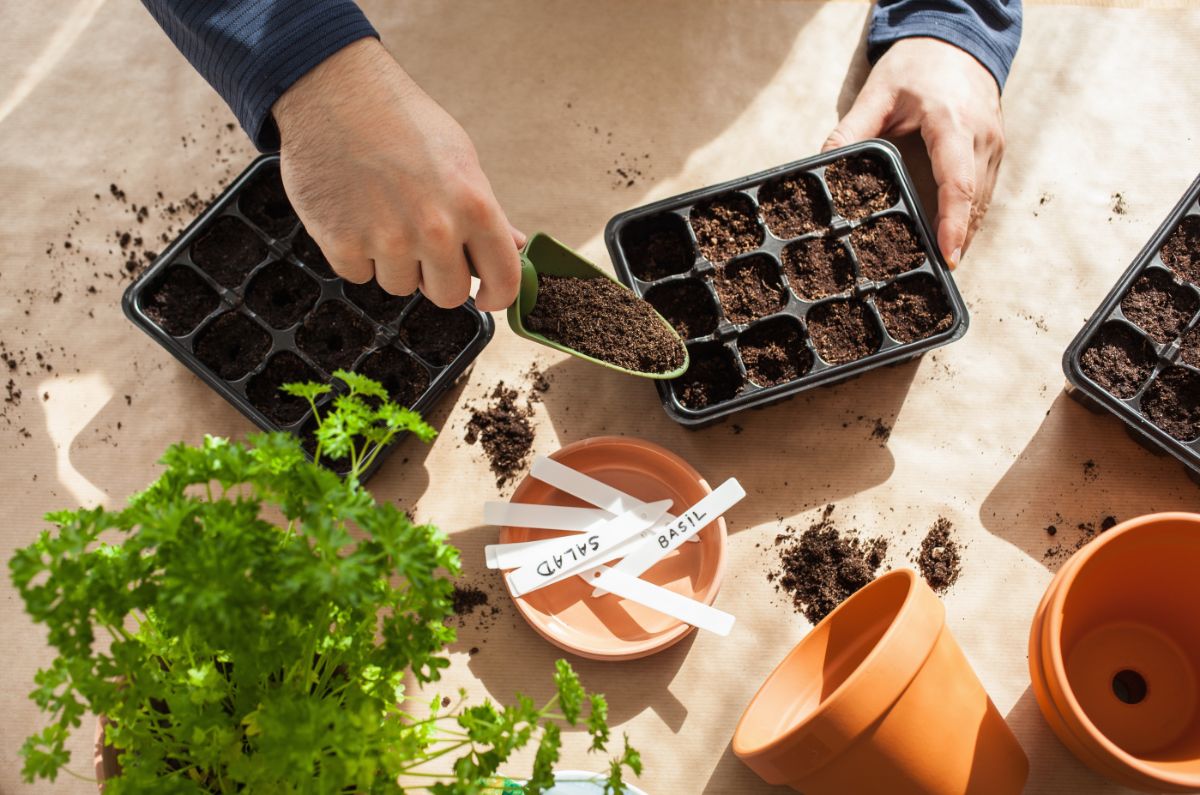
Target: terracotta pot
(104, 757)
(879, 698)
(1114, 653)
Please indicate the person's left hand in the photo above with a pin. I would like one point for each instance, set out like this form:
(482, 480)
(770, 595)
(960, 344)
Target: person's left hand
(928, 85)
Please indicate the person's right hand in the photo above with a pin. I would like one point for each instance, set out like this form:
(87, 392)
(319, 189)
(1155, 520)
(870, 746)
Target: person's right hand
(389, 185)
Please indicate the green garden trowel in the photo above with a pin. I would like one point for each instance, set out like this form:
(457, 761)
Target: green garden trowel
(545, 255)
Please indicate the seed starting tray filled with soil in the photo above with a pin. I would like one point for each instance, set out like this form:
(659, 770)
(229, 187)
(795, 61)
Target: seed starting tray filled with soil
(800, 276)
(245, 299)
(1138, 356)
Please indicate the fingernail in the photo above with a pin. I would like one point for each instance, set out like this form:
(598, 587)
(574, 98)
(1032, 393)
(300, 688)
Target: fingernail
(955, 257)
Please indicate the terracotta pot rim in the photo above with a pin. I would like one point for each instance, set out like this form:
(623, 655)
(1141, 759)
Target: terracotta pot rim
(645, 648)
(904, 615)
(1063, 697)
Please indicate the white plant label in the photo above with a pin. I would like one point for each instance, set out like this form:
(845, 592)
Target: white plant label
(556, 561)
(665, 601)
(544, 517)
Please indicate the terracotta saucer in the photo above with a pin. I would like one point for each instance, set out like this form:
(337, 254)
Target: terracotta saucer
(609, 627)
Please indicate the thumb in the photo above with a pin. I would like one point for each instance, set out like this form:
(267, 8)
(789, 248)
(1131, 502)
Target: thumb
(865, 119)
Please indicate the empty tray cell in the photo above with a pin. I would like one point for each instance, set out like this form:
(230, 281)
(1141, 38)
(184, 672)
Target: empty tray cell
(402, 376)
(228, 250)
(750, 288)
(179, 300)
(913, 309)
(861, 185)
(1159, 306)
(818, 268)
(1172, 402)
(887, 247)
(843, 331)
(726, 226)
(658, 246)
(438, 335)
(264, 391)
(308, 252)
(794, 205)
(687, 305)
(377, 302)
(334, 335)
(774, 352)
(1181, 252)
(1119, 359)
(281, 294)
(712, 377)
(232, 345)
(264, 202)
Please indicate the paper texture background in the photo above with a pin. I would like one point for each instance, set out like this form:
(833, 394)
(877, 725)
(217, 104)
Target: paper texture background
(555, 94)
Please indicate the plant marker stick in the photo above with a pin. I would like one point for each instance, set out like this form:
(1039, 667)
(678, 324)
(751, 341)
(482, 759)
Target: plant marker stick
(669, 536)
(584, 487)
(571, 553)
(664, 600)
(544, 517)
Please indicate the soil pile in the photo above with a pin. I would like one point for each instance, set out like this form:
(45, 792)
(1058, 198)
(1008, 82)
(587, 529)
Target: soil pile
(605, 320)
(939, 559)
(504, 431)
(821, 568)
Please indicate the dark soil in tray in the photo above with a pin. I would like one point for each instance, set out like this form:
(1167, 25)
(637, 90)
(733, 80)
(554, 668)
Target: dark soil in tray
(843, 331)
(334, 336)
(1172, 403)
(180, 300)
(232, 345)
(308, 252)
(264, 202)
(940, 558)
(658, 246)
(861, 185)
(228, 250)
(264, 392)
(1181, 252)
(774, 352)
(438, 335)
(687, 305)
(887, 247)
(605, 320)
(1119, 359)
(1189, 347)
(712, 377)
(726, 226)
(1159, 306)
(376, 301)
(821, 568)
(794, 205)
(402, 376)
(750, 288)
(818, 268)
(281, 293)
(914, 309)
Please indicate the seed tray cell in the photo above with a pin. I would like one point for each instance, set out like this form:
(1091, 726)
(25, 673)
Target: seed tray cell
(801, 276)
(245, 299)
(1138, 356)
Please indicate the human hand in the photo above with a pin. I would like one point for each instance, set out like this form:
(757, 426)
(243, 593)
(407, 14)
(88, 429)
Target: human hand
(389, 185)
(928, 85)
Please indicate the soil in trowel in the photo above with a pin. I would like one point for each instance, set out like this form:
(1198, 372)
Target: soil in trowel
(606, 321)
(821, 567)
(939, 558)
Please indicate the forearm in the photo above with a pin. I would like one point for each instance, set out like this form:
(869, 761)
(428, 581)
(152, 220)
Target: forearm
(252, 51)
(990, 30)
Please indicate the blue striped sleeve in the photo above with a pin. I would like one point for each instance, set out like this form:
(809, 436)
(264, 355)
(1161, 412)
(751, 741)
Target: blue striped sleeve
(990, 30)
(251, 51)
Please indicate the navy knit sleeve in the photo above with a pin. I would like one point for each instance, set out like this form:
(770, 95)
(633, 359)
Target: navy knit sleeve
(251, 51)
(990, 30)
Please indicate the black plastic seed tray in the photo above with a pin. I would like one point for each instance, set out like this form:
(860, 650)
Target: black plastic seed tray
(245, 299)
(1138, 356)
(839, 260)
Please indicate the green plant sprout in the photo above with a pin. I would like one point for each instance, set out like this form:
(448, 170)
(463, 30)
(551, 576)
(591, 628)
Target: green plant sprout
(249, 621)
